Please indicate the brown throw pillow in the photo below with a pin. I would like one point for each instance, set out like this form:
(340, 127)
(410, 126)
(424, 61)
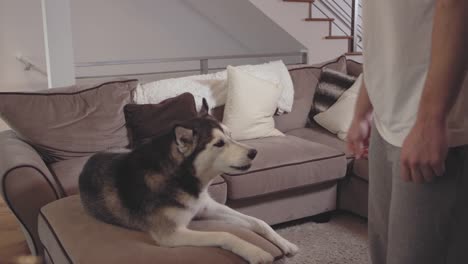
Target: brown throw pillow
(70, 122)
(331, 86)
(149, 120)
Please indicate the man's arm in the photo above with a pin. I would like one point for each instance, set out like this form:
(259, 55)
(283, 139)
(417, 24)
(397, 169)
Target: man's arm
(359, 131)
(425, 149)
(449, 58)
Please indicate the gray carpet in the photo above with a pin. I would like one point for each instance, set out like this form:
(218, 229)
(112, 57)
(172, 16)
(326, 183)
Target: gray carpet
(343, 240)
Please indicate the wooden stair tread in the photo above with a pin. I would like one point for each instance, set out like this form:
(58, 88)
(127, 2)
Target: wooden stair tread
(300, 1)
(319, 19)
(339, 37)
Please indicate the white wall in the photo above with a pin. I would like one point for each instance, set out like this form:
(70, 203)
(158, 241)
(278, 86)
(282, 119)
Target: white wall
(290, 16)
(133, 29)
(124, 29)
(20, 31)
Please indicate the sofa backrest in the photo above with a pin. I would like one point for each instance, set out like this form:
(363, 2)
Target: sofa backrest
(70, 122)
(305, 79)
(354, 68)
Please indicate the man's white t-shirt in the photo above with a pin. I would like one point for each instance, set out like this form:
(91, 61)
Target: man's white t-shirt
(397, 50)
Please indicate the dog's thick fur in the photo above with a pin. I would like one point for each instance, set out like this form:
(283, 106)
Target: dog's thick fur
(161, 185)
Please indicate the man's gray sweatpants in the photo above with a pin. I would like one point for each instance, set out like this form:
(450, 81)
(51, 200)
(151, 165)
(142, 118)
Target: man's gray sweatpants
(417, 223)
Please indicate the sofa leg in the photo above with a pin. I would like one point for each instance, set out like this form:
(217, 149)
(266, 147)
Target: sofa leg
(322, 218)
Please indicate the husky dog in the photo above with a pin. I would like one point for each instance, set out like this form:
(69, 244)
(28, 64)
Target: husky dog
(161, 185)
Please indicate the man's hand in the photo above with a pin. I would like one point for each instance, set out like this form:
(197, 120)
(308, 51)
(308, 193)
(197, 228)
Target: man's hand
(424, 152)
(358, 136)
(425, 148)
(359, 131)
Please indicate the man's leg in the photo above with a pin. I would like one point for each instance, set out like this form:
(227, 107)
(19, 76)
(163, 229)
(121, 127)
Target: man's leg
(380, 188)
(422, 216)
(458, 244)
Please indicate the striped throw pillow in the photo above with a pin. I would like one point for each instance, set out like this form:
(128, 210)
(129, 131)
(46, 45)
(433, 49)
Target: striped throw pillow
(331, 86)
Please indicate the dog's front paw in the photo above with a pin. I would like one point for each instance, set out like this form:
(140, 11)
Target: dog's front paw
(291, 250)
(288, 248)
(259, 256)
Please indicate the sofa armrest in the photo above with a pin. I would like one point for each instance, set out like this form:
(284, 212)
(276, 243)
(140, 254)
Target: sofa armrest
(26, 184)
(354, 68)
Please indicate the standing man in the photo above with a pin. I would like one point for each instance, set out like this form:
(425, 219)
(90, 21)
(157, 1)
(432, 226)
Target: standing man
(416, 88)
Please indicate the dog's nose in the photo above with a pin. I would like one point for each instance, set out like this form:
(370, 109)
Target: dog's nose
(252, 154)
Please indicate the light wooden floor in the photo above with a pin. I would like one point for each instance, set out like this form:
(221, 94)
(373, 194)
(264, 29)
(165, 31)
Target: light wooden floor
(12, 243)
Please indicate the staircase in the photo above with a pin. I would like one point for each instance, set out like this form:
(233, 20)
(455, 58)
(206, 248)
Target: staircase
(324, 27)
(353, 32)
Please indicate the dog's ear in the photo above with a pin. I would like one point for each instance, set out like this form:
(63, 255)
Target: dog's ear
(204, 109)
(185, 139)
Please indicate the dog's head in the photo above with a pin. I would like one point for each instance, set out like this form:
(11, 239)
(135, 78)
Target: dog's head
(209, 145)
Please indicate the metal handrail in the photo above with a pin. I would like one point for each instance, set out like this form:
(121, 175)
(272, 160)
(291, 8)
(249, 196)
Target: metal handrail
(142, 73)
(338, 15)
(355, 28)
(342, 12)
(29, 65)
(321, 11)
(164, 60)
(354, 24)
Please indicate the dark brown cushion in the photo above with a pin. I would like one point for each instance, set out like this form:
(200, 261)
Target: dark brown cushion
(70, 122)
(149, 120)
(305, 79)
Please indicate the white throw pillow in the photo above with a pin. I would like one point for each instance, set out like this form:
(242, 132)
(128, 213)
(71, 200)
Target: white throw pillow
(337, 119)
(269, 71)
(250, 106)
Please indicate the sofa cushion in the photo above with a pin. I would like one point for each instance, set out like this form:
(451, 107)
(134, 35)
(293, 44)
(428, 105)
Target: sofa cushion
(319, 134)
(67, 173)
(284, 163)
(218, 190)
(354, 68)
(70, 235)
(70, 122)
(149, 120)
(353, 195)
(361, 169)
(305, 79)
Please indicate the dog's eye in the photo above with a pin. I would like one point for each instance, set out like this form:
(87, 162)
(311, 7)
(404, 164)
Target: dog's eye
(219, 144)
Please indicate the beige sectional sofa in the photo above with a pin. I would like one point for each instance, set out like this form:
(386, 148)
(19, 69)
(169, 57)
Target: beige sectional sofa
(305, 173)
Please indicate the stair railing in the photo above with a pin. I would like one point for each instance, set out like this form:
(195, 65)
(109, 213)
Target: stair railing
(349, 20)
